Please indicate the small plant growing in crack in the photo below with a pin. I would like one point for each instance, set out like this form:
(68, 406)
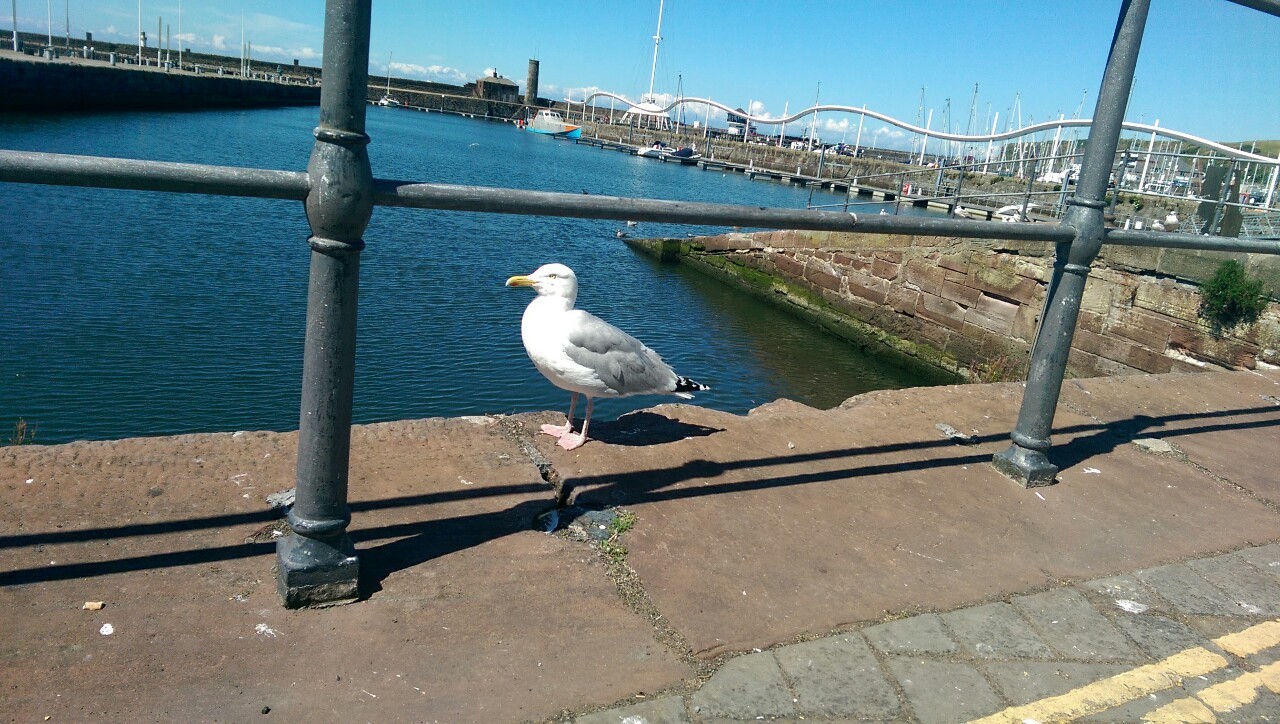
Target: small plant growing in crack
(623, 521)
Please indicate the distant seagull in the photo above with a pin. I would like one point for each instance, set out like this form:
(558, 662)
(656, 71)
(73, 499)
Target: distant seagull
(632, 223)
(579, 352)
(621, 234)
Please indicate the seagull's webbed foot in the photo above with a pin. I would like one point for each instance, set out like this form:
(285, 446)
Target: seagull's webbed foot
(557, 431)
(572, 440)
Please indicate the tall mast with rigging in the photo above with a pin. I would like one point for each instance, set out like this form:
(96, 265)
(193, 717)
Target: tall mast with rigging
(657, 38)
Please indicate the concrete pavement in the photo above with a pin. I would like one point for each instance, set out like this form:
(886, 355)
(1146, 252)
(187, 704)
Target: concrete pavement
(850, 564)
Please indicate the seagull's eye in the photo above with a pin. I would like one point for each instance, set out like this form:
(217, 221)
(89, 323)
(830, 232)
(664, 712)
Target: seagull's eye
(551, 276)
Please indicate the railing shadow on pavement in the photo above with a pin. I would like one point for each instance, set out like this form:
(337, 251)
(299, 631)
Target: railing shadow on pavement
(420, 541)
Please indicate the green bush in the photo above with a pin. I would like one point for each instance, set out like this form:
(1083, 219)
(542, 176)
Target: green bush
(1231, 296)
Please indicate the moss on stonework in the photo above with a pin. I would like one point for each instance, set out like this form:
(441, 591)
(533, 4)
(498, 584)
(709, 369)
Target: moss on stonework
(926, 361)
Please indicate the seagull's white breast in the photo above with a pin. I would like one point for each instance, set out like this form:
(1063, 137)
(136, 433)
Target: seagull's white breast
(546, 339)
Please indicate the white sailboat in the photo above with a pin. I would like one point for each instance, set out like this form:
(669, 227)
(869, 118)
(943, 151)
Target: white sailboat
(386, 99)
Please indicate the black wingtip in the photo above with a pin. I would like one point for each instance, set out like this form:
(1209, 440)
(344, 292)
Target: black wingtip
(684, 384)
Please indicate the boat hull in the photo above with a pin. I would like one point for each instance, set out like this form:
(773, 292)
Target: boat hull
(573, 132)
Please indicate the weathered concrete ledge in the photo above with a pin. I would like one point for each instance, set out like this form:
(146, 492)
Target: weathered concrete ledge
(751, 532)
(972, 308)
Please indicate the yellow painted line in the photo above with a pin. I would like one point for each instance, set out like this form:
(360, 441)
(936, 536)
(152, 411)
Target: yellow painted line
(1166, 674)
(1251, 640)
(1181, 710)
(1119, 689)
(1223, 698)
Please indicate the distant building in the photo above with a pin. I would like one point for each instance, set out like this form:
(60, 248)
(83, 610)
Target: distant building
(738, 124)
(497, 88)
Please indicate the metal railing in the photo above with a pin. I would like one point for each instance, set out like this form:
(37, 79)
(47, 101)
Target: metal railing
(317, 562)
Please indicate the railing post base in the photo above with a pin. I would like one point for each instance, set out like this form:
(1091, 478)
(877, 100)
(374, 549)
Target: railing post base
(1029, 468)
(313, 573)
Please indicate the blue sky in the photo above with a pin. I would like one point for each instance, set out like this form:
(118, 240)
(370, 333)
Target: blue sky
(1208, 67)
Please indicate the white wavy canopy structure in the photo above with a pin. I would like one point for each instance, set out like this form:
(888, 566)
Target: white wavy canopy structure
(648, 109)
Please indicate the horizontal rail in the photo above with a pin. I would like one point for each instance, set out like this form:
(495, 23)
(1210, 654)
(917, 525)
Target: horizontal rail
(59, 169)
(1130, 237)
(544, 203)
(1270, 7)
(126, 173)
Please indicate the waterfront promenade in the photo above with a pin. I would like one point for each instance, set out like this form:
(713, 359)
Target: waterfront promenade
(861, 563)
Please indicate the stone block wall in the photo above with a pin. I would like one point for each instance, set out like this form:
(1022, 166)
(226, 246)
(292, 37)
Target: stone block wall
(973, 306)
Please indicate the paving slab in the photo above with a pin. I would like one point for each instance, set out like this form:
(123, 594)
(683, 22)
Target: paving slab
(746, 687)
(788, 521)
(997, 631)
(918, 634)
(1187, 591)
(940, 691)
(1203, 415)
(459, 589)
(1023, 682)
(1067, 622)
(667, 710)
(1254, 592)
(838, 677)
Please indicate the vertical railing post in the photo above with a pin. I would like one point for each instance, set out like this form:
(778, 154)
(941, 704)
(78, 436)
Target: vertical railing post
(1026, 460)
(317, 562)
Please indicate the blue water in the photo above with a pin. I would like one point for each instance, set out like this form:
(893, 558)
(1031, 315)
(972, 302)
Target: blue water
(136, 313)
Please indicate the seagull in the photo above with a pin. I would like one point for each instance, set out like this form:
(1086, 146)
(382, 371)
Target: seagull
(579, 352)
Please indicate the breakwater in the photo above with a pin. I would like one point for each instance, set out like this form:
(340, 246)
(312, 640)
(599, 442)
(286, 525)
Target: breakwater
(71, 84)
(972, 307)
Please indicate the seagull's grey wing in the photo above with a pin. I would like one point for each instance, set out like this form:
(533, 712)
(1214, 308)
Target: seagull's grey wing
(624, 364)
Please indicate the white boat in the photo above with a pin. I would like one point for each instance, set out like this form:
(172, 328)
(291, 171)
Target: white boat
(386, 100)
(553, 124)
(1012, 212)
(657, 150)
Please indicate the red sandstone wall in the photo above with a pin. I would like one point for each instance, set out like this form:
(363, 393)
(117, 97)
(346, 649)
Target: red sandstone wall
(979, 302)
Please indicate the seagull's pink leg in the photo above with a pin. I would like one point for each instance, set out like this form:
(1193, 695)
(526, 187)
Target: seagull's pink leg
(573, 441)
(558, 431)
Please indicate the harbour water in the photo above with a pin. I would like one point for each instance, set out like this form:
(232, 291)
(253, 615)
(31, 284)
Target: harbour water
(137, 313)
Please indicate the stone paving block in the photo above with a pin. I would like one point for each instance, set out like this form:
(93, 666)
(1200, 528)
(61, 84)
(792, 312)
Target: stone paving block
(745, 688)
(1160, 636)
(838, 676)
(918, 634)
(1114, 590)
(667, 710)
(1023, 682)
(1187, 592)
(1253, 592)
(1266, 558)
(996, 631)
(1074, 628)
(940, 692)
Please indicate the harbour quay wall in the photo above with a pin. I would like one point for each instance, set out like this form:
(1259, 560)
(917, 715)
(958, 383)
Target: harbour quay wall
(63, 85)
(972, 307)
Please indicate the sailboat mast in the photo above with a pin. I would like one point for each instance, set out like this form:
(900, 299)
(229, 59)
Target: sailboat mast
(657, 38)
(390, 55)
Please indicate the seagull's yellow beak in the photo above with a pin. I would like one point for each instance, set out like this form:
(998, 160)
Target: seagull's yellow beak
(520, 281)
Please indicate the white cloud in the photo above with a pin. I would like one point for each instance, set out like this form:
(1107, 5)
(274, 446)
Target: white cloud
(490, 71)
(305, 53)
(219, 42)
(438, 73)
(185, 37)
(833, 125)
(884, 132)
(111, 30)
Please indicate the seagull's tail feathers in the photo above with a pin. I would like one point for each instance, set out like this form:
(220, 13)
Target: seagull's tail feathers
(685, 387)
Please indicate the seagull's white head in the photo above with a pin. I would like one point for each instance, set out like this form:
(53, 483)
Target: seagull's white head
(549, 280)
